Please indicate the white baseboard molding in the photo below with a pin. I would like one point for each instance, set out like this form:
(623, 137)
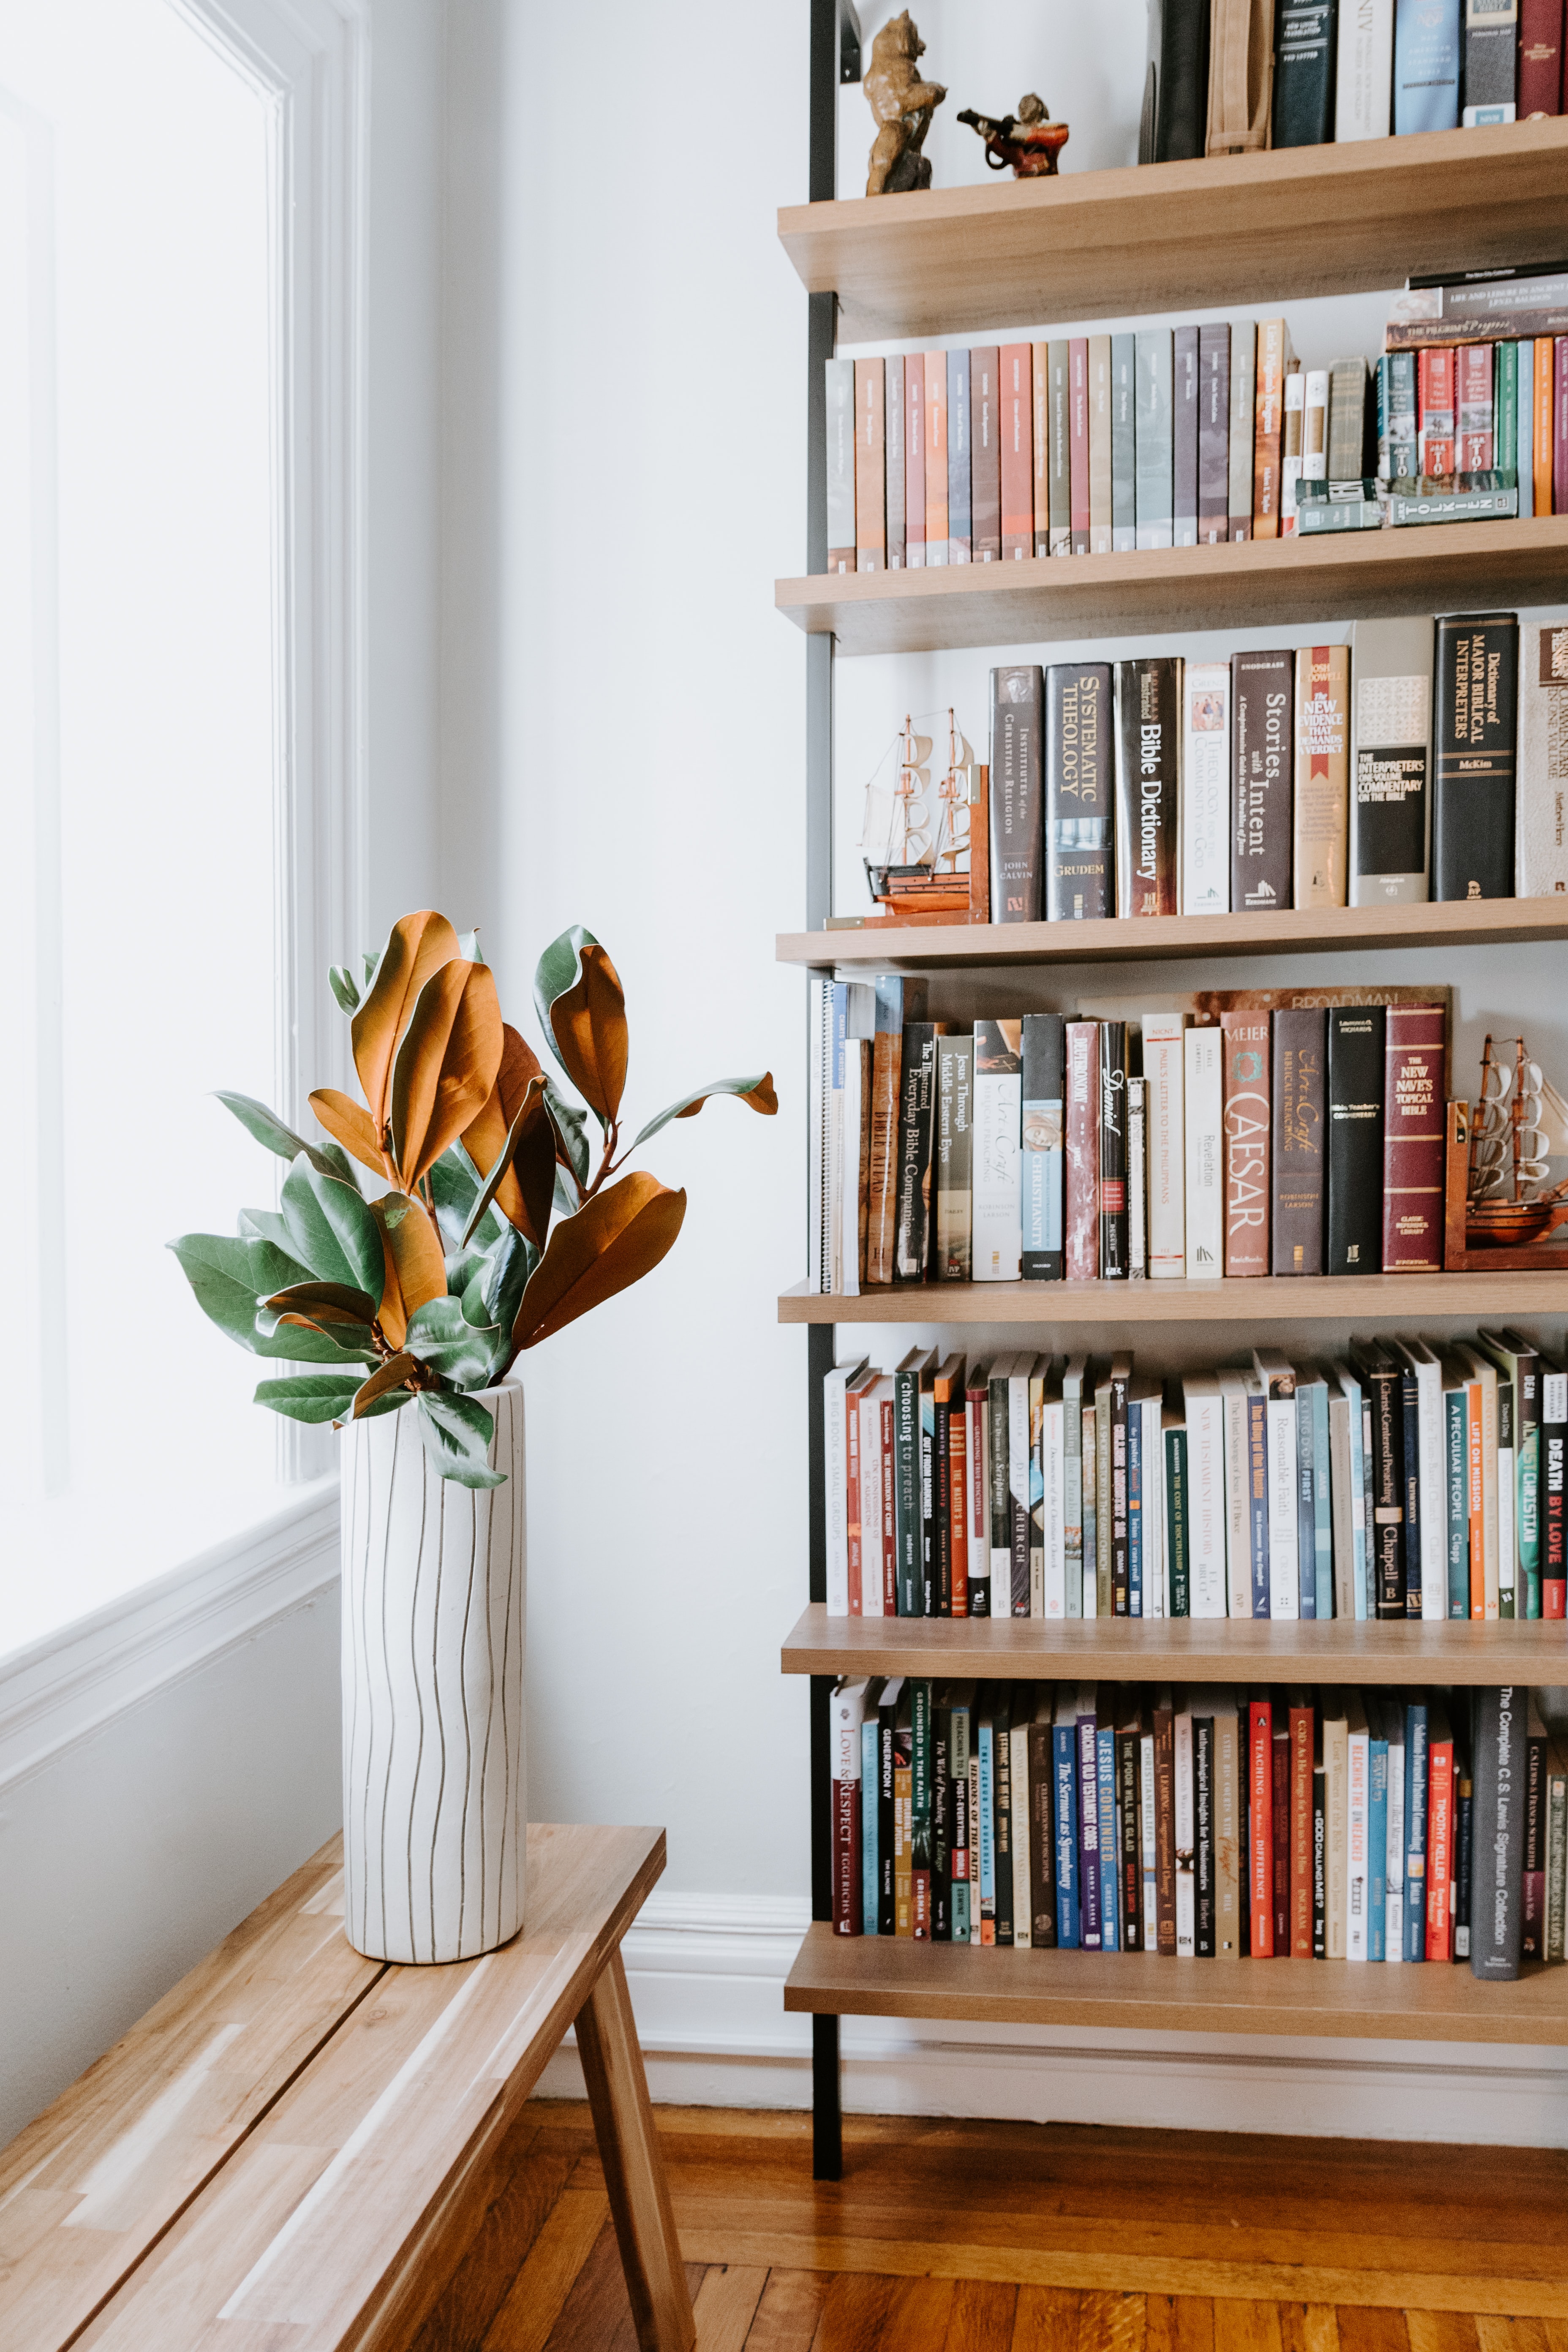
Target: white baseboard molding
(707, 1977)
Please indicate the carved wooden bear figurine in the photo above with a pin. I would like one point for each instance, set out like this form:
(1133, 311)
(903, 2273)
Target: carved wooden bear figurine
(902, 106)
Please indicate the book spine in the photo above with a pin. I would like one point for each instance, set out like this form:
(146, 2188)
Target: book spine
(1186, 1840)
(1401, 409)
(1413, 1145)
(929, 1606)
(1320, 847)
(977, 1456)
(1262, 694)
(1153, 436)
(1388, 1492)
(1300, 1087)
(1357, 1796)
(1473, 805)
(847, 1912)
(841, 452)
(1123, 453)
(1079, 767)
(1269, 438)
(1242, 426)
(1137, 1183)
(1257, 1511)
(1363, 70)
(1437, 421)
(1205, 1907)
(1017, 470)
(996, 1227)
(1202, 1090)
(1077, 443)
(1109, 1890)
(1082, 1208)
(960, 525)
(999, 1433)
(1559, 443)
(1164, 1074)
(1426, 67)
(1554, 1517)
(1015, 797)
(1498, 1832)
(1178, 1547)
(1281, 1829)
(896, 468)
(1291, 436)
(887, 1095)
(1043, 1155)
(1391, 763)
(941, 1501)
(1090, 1884)
(1541, 847)
(1439, 1849)
(954, 1157)
(1060, 421)
(1320, 1862)
(1063, 1752)
(871, 494)
(935, 456)
(1121, 1557)
(1304, 73)
(920, 1809)
(1113, 1234)
(1002, 1832)
(1184, 417)
(1491, 30)
(1540, 58)
(1532, 1879)
(941, 1823)
(911, 1239)
(1474, 408)
(1040, 442)
(915, 461)
(1130, 1862)
(1099, 403)
(1204, 791)
(985, 461)
(907, 1492)
(1148, 1842)
(1247, 1137)
(1300, 1945)
(1020, 1464)
(1356, 1070)
(1214, 432)
(1147, 821)
(1042, 1838)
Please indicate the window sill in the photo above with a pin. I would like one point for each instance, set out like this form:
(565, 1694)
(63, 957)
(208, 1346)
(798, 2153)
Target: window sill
(60, 1683)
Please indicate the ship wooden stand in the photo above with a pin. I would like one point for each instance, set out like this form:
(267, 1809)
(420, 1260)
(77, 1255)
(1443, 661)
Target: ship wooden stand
(1215, 232)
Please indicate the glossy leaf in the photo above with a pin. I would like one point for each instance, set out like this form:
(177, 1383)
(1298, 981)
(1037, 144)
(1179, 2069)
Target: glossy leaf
(454, 1183)
(472, 1296)
(341, 983)
(456, 1432)
(612, 1242)
(393, 1374)
(469, 945)
(756, 1092)
(332, 1229)
(313, 1340)
(266, 1226)
(353, 1125)
(311, 1396)
(269, 1129)
(465, 1267)
(445, 1066)
(415, 1247)
(571, 1134)
(326, 1302)
(583, 1011)
(230, 1275)
(511, 1266)
(440, 1335)
(485, 1139)
(416, 947)
(525, 1169)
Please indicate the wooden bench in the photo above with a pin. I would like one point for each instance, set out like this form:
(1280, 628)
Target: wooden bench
(298, 2146)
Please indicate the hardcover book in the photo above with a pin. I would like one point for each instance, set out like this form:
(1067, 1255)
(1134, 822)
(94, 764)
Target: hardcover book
(954, 1155)
(1206, 788)
(1247, 1121)
(986, 455)
(913, 1238)
(1425, 65)
(1123, 455)
(1175, 101)
(1148, 727)
(1059, 411)
(1497, 1836)
(1153, 436)
(871, 480)
(840, 433)
(1473, 804)
(1099, 403)
(960, 522)
(1078, 441)
(1203, 1085)
(1243, 425)
(1540, 89)
(1040, 442)
(1492, 36)
(1357, 1073)
(935, 455)
(1017, 801)
(1184, 407)
(896, 467)
(1274, 364)
(1304, 72)
(1391, 760)
(1300, 1104)
(1083, 1162)
(997, 1231)
(1079, 773)
(1321, 789)
(1214, 432)
(1262, 694)
(1113, 1234)
(1363, 70)
(897, 1001)
(1413, 1139)
(1164, 1091)
(1043, 1056)
(1017, 470)
(914, 461)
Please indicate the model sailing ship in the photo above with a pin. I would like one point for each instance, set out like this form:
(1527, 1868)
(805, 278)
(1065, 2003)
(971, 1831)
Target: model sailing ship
(1519, 1123)
(917, 856)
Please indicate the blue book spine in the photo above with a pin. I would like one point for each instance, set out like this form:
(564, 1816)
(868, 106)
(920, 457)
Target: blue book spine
(1415, 1830)
(870, 1784)
(1257, 1499)
(1134, 1508)
(1064, 1744)
(1456, 1464)
(1426, 37)
(959, 540)
(1377, 1846)
(1322, 1501)
(1089, 1878)
(985, 1826)
(1109, 1909)
(1306, 1522)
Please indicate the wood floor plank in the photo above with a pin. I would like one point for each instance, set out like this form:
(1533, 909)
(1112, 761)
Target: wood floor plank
(1441, 2331)
(1364, 2329)
(917, 2316)
(1111, 2323)
(725, 2305)
(981, 2319)
(1046, 2319)
(1246, 2327)
(506, 2236)
(790, 2312)
(1194, 2322)
(1501, 2335)
(853, 2312)
(1309, 2328)
(596, 2315)
(536, 2297)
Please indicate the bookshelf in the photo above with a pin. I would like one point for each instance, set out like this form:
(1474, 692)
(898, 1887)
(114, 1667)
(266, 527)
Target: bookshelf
(1009, 256)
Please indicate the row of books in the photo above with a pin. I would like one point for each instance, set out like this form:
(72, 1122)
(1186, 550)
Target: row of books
(1201, 1824)
(1285, 1132)
(1343, 72)
(1421, 760)
(1401, 1481)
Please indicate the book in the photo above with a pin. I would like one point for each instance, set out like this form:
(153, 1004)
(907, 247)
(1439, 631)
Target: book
(1274, 364)
(888, 1697)
(1240, 77)
(1117, 1395)
(1080, 792)
(1413, 1139)
(1425, 65)
(839, 426)
(1321, 792)
(870, 476)
(1363, 70)
(1304, 73)
(1153, 436)
(1491, 34)
(914, 461)
(1540, 86)
(1498, 1835)
(1019, 1834)
(854, 1155)
(948, 1479)
(1113, 1263)
(1129, 1860)
(1298, 1195)
(1083, 1151)
(1256, 1581)
(1137, 1181)
(1204, 1162)
(1205, 1857)
(1475, 409)
(942, 1810)
(1357, 1069)
(954, 1155)
(1178, 1547)
(1347, 442)
(1425, 1463)
(1214, 432)
(1247, 1120)
(1059, 413)
(1042, 1163)
(1483, 1420)
(1262, 694)
(1299, 1730)
(1283, 1599)
(1206, 794)
(1185, 404)
(1437, 415)
(848, 1715)
(1077, 442)
(986, 455)
(1017, 796)
(1164, 1093)
(1042, 1821)
(1336, 1822)
(1040, 442)
(1315, 427)
(912, 1236)
(861, 1498)
(1148, 749)
(1123, 452)
(1001, 1713)
(961, 1843)
(1064, 1752)
(1078, 1519)
(894, 465)
(1553, 1524)
(1397, 442)
(918, 1370)
(1021, 1376)
(1381, 1372)
(903, 1814)
(1290, 448)
(835, 1469)
(1243, 427)
(996, 1225)
(1016, 469)
(1541, 831)
(1175, 104)
(960, 519)
(1091, 1886)
(1473, 802)
(1111, 1919)
(1185, 1826)
(977, 1455)
(936, 457)
(1099, 405)
(1391, 760)
(1533, 1877)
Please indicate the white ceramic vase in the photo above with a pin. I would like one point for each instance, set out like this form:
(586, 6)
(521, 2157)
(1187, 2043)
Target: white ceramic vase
(434, 1586)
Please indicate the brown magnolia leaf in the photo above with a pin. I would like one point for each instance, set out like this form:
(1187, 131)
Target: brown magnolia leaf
(419, 945)
(611, 1241)
(445, 1066)
(761, 1097)
(522, 1183)
(590, 1025)
(349, 1124)
(415, 1260)
(328, 1302)
(485, 1138)
(390, 1375)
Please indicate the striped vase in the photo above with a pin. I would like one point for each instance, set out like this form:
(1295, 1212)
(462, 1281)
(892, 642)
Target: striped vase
(433, 1584)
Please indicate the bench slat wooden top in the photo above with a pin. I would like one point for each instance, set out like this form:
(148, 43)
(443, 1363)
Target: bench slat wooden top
(323, 2206)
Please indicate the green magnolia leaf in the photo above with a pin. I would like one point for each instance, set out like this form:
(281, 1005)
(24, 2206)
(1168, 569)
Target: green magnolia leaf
(475, 1312)
(469, 945)
(341, 981)
(298, 1335)
(693, 1102)
(557, 970)
(269, 1129)
(268, 1226)
(338, 1159)
(462, 1266)
(572, 1128)
(371, 959)
(231, 1274)
(454, 1184)
(331, 1229)
(456, 1432)
(440, 1335)
(509, 1268)
(311, 1396)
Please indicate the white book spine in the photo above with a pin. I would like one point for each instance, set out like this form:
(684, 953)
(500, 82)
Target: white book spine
(1072, 1492)
(1237, 1486)
(837, 1474)
(1206, 788)
(848, 1707)
(1205, 1185)
(1284, 1549)
(1505, 1543)
(1163, 1093)
(996, 1215)
(1053, 1468)
(1315, 427)
(1489, 1488)
(977, 1432)
(1156, 1577)
(1364, 80)
(850, 1171)
(818, 1254)
(1434, 1490)
(1355, 1849)
(1206, 1502)
(870, 1414)
(1137, 1181)
(835, 1183)
(1184, 1811)
(1017, 1478)
(1148, 1854)
(1393, 1868)
(1019, 1784)
(1541, 829)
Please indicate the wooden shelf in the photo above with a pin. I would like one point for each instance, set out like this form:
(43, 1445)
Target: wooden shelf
(1342, 576)
(1177, 1650)
(1174, 236)
(1405, 1298)
(951, 947)
(887, 1976)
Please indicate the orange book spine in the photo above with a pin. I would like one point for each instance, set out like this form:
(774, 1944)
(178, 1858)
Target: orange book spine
(1040, 443)
(870, 476)
(1478, 1512)
(936, 457)
(1439, 1849)
(1541, 443)
(1017, 453)
(1267, 442)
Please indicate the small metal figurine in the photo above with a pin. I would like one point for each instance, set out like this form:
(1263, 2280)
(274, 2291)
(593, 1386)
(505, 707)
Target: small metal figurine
(902, 106)
(1029, 140)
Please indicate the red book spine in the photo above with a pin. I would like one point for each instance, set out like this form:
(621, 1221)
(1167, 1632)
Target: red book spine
(1078, 444)
(1560, 427)
(1553, 1518)
(1435, 410)
(1244, 1053)
(1473, 396)
(1282, 1839)
(1540, 58)
(1261, 1826)
(958, 1506)
(852, 1501)
(1414, 1142)
(1017, 454)
(1439, 1849)
(914, 462)
(890, 1555)
(871, 467)
(1082, 1206)
(1301, 1833)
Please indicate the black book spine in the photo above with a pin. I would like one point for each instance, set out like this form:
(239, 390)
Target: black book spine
(1205, 1944)
(1113, 1151)
(1410, 1533)
(887, 1917)
(1355, 1139)
(941, 1507)
(940, 1825)
(1304, 45)
(1497, 1833)
(1320, 1862)
(1043, 1065)
(1262, 734)
(1147, 826)
(1079, 882)
(916, 1135)
(1017, 807)
(1297, 1163)
(1180, 55)
(1384, 1390)
(1473, 806)
(1131, 1855)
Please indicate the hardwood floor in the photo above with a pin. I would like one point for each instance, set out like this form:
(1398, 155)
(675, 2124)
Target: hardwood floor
(964, 2237)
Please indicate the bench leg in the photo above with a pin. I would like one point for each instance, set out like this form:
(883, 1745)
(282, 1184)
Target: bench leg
(634, 2166)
